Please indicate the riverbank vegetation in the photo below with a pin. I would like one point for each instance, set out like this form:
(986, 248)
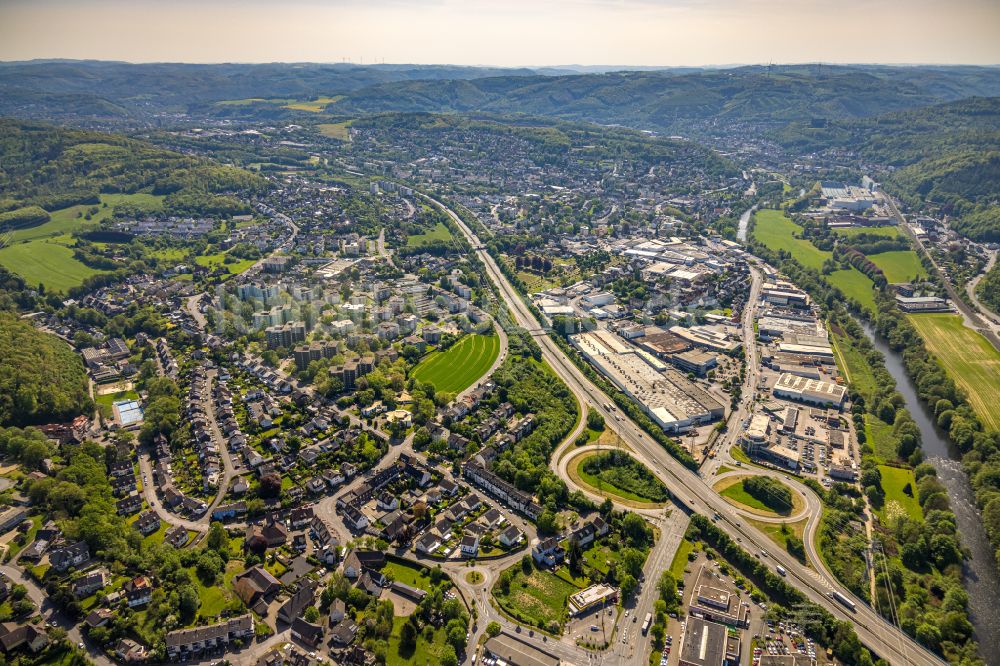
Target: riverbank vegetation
(917, 578)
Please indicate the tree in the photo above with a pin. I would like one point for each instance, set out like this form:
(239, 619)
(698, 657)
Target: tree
(667, 587)
(457, 634)
(493, 629)
(218, 538)
(595, 421)
(628, 584)
(188, 601)
(546, 522)
(312, 614)
(795, 547)
(408, 636)
(449, 657)
(270, 485)
(209, 566)
(526, 565)
(635, 528)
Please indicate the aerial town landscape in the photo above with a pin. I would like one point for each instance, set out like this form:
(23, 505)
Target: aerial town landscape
(552, 366)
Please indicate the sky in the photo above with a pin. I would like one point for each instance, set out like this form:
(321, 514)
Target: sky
(505, 32)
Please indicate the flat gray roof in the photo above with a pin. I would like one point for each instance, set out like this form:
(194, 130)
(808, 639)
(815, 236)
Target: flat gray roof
(704, 643)
(518, 653)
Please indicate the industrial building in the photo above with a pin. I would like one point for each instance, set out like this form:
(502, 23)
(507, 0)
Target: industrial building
(759, 441)
(669, 398)
(922, 304)
(809, 391)
(695, 360)
(708, 644)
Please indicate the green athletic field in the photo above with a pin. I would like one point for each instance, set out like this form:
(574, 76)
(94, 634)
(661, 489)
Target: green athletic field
(969, 359)
(459, 367)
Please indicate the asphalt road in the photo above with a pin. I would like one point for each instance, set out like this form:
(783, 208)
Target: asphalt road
(886, 640)
(53, 615)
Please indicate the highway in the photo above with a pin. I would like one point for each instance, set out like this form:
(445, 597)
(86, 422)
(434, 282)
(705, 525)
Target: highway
(689, 489)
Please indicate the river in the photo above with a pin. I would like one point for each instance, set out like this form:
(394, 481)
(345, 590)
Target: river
(741, 231)
(980, 575)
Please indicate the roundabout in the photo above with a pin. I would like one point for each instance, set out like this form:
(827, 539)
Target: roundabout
(574, 464)
(761, 496)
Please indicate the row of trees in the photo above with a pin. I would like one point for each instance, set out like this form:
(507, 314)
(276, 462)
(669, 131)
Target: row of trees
(858, 260)
(927, 571)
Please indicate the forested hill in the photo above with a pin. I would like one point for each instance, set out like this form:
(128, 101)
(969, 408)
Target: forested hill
(666, 100)
(672, 101)
(51, 168)
(43, 88)
(947, 154)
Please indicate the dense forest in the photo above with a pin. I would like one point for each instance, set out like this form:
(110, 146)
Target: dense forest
(41, 377)
(47, 168)
(947, 155)
(988, 289)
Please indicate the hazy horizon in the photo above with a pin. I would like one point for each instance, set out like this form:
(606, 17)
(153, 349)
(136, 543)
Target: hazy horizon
(586, 33)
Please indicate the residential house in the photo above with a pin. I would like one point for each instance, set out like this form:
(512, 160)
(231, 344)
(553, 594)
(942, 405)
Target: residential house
(470, 545)
(184, 642)
(511, 536)
(358, 560)
(292, 608)
(138, 591)
(73, 555)
(176, 536)
(306, 632)
(548, 552)
(88, 584)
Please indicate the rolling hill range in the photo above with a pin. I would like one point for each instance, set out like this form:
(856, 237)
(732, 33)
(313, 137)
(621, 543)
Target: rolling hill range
(117, 89)
(669, 101)
(664, 100)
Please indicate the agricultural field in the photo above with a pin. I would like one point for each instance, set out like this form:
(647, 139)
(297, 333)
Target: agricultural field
(66, 220)
(312, 106)
(538, 599)
(440, 232)
(777, 231)
(852, 364)
(968, 358)
(854, 284)
(459, 367)
(336, 130)
(895, 481)
(45, 262)
(901, 266)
